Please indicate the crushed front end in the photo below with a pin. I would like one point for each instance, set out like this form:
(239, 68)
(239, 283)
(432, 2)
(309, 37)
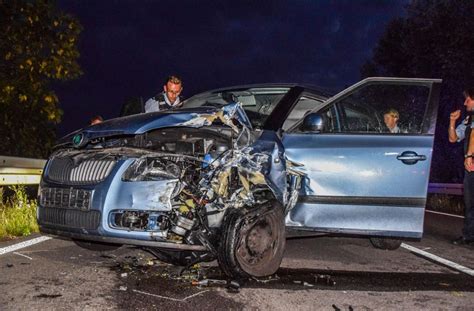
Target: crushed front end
(168, 188)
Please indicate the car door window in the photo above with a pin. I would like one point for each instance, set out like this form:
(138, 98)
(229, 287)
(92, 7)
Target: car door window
(358, 117)
(382, 108)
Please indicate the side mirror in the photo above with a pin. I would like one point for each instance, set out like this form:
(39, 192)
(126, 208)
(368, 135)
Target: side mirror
(313, 122)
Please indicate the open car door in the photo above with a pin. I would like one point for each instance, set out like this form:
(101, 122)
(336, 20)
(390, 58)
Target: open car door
(360, 177)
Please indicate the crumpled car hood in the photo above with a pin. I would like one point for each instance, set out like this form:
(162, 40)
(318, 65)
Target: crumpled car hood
(144, 122)
(262, 163)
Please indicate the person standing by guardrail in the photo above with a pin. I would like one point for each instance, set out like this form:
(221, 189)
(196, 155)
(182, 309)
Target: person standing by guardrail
(456, 134)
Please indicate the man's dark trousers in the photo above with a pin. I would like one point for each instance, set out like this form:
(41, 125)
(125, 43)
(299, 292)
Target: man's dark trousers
(468, 230)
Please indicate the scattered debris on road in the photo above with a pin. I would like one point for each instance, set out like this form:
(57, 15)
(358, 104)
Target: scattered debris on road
(325, 279)
(47, 296)
(233, 287)
(207, 282)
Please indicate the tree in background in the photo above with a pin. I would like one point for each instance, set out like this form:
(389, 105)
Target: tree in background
(434, 40)
(38, 44)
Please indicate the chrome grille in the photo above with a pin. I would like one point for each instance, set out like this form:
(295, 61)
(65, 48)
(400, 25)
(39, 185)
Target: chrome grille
(91, 171)
(69, 218)
(68, 198)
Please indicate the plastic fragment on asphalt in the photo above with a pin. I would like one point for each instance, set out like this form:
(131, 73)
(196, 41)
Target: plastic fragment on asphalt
(48, 296)
(233, 287)
(124, 275)
(324, 279)
(269, 279)
(336, 308)
(457, 294)
(207, 282)
(123, 288)
(110, 256)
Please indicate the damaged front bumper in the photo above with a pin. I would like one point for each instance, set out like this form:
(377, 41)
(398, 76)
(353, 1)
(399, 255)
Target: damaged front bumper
(167, 199)
(122, 241)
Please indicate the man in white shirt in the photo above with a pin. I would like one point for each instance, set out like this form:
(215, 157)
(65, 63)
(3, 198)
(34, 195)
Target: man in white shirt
(169, 98)
(456, 134)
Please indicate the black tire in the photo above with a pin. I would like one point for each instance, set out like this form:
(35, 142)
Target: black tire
(386, 243)
(252, 243)
(96, 246)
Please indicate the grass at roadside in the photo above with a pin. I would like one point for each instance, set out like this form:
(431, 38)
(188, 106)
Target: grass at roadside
(17, 213)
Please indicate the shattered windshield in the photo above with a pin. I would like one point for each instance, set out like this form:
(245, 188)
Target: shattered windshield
(258, 103)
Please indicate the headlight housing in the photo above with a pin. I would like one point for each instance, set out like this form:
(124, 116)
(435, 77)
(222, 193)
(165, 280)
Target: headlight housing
(151, 169)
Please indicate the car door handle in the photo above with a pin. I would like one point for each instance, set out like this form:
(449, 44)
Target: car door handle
(410, 157)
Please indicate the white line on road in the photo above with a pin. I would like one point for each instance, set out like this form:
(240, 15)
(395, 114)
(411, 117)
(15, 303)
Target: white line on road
(170, 298)
(446, 214)
(438, 259)
(22, 255)
(24, 244)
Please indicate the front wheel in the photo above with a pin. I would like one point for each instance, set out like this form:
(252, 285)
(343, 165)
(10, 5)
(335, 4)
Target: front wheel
(252, 242)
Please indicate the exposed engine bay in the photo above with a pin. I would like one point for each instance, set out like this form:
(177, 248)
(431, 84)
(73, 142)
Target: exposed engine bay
(186, 178)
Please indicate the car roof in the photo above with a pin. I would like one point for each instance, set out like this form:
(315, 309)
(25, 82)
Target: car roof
(324, 92)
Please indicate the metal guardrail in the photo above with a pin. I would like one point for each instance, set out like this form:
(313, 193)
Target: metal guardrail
(20, 171)
(455, 189)
(16, 171)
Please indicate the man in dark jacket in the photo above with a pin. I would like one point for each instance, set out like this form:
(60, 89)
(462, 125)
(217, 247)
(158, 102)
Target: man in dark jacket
(169, 98)
(463, 132)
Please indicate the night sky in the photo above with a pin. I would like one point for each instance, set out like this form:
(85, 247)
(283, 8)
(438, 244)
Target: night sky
(129, 47)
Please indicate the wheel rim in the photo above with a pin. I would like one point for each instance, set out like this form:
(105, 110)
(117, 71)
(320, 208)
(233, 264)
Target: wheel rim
(258, 244)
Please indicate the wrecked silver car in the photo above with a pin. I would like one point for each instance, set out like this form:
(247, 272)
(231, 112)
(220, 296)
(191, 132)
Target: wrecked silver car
(226, 175)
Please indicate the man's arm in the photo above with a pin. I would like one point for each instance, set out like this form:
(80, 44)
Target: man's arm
(453, 137)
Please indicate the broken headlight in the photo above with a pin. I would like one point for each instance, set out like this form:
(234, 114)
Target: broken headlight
(151, 169)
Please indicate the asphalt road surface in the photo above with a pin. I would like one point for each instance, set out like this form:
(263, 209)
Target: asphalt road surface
(317, 273)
